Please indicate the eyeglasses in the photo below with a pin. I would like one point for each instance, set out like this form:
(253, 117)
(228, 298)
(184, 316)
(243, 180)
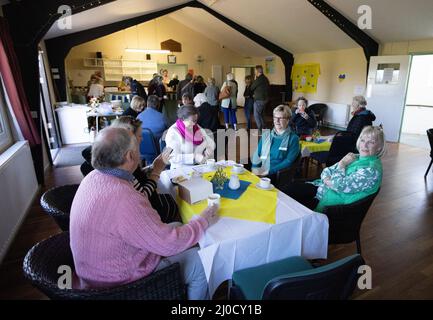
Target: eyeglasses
(280, 118)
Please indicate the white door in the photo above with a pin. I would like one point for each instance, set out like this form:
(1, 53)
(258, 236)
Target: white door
(386, 92)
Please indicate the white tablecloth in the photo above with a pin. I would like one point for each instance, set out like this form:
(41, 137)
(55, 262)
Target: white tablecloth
(233, 244)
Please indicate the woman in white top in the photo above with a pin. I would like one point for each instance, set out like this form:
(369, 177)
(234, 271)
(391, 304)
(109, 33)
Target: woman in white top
(191, 144)
(228, 96)
(96, 89)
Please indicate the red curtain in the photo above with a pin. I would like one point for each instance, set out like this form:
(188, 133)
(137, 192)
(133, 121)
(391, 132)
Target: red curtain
(12, 79)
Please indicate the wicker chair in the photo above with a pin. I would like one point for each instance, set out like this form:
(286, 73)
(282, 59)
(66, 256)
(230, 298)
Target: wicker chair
(57, 203)
(43, 260)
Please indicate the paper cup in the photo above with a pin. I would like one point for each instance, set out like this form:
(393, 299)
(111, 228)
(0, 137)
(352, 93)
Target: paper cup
(211, 163)
(214, 199)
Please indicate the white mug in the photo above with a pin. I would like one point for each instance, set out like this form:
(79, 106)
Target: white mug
(238, 167)
(214, 199)
(265, 183)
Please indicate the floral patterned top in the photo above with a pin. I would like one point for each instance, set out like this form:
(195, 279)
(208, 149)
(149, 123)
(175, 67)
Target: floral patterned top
(360, 178)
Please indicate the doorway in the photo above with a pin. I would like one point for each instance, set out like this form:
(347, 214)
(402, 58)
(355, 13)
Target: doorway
(418, 111)
(49, 122)
(240, 72)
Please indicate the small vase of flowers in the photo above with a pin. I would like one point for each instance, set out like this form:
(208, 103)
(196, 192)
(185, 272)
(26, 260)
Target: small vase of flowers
(315, 135)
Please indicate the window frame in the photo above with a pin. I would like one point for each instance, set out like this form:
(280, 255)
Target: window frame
(6, 138)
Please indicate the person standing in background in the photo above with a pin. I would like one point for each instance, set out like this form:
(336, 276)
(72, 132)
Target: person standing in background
(249, 101)
(228, 96)
(173, 82)
(260, 90)
(185, 86)
(199, 85)
(212, 92)
(136, 87)
(165, 78)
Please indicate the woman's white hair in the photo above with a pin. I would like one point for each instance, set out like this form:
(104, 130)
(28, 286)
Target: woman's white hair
(230, 76)
(375, 133)
(360, 100)
(199, 99)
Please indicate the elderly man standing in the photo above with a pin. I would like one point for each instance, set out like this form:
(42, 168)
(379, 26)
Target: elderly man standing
(116, 235)
(260, 88)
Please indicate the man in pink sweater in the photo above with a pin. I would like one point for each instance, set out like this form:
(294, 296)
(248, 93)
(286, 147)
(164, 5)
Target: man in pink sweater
(116, 235)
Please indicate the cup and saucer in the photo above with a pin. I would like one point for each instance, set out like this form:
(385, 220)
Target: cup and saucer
(265, 184)
(238, 168)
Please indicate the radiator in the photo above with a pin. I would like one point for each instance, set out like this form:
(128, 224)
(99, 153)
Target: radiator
(337, 115)
(18, 187)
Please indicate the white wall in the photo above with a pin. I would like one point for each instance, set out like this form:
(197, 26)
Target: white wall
(18, 187)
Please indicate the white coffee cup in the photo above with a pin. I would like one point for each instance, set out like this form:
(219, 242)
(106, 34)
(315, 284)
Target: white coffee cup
(214, 199)
(265, 183)
(308, 138)
(238, 167)
(210, 163)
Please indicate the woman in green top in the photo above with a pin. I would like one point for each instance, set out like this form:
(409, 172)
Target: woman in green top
(355, 177)
(278, 148)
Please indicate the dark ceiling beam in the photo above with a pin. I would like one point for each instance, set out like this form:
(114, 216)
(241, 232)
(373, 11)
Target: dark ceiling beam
(368, 44)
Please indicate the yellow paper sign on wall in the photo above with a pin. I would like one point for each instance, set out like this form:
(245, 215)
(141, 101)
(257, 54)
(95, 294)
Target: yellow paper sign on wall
(305, 77)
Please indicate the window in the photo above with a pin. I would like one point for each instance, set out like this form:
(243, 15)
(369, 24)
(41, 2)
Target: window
(5, 132)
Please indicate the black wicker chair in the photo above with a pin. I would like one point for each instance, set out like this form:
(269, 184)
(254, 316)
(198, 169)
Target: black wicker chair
(345, 221)
(319, 111)
(57, 203)
(43, 260)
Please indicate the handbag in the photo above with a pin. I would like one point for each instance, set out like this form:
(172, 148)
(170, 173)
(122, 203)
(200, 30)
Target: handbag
(225, 93)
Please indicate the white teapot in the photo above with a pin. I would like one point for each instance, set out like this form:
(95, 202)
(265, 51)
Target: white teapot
(234, 182)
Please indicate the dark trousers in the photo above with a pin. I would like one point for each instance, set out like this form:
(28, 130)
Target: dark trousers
(249, 110)
(302, 192)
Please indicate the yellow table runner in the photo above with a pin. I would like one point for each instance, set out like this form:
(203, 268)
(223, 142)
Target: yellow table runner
(254, 204)
(315, 147)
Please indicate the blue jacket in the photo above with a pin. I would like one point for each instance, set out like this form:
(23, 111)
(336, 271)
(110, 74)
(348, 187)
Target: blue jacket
(153, 120)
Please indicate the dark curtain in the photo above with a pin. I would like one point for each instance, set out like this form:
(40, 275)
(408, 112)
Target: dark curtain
(12, 79)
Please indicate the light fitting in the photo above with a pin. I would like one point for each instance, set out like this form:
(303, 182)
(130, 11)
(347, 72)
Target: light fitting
(146, 50)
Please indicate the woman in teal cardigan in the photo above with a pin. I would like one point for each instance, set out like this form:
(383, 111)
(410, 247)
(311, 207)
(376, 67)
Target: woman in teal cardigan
(278, 148)
(355, 177)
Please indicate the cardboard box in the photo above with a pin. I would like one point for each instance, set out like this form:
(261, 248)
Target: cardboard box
(195, 190)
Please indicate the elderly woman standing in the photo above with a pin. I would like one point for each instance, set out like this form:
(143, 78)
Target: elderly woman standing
(190, 143)
(361, 116)
(355, 177)
(116, 237)
(278, 148)
(304, 120)
(212, 92)
(228, 95)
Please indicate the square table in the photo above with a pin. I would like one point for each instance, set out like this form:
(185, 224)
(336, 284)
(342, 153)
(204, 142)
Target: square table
(234, 244)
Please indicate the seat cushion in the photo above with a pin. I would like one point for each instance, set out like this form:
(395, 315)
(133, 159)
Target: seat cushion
(252, 281)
